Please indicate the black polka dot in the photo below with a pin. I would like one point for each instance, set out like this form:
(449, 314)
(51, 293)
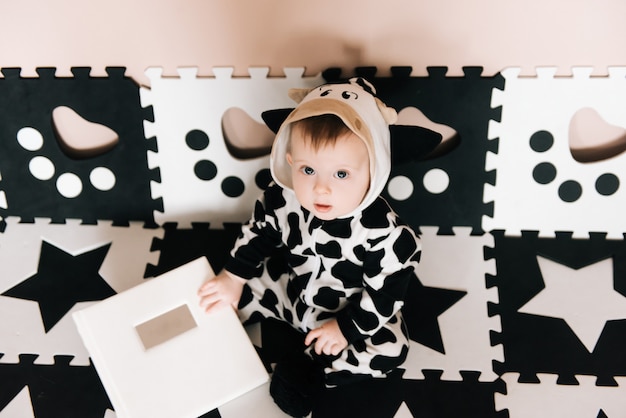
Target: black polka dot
(607, 184)
(197, 140)
(263, 178)
(541, 141)
(205, 170)
(544, 173)
(233, 186)
(570, 191)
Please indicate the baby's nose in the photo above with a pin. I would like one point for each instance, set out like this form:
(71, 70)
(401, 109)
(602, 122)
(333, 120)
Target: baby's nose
(321, 187)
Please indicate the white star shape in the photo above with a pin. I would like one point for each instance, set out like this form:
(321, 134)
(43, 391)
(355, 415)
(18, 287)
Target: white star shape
(584, 298)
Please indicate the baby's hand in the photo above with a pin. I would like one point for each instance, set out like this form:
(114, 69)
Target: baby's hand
(328, 338)
(223, 290)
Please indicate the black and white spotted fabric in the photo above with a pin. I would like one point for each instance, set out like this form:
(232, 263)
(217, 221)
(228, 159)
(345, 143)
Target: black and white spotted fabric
(305, 270)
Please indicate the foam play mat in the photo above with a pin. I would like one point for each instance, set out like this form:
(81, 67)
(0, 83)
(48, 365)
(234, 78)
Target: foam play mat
(106, 185)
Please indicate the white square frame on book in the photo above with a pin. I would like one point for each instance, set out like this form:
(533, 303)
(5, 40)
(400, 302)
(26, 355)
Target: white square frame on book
(159, 355)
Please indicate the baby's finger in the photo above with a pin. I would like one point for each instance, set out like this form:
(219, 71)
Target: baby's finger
(335, 350)
(312, 336)
(215, 306)
(318, 347)
(329, 348)
(208, 288)
(210, 299)
(205, 287)
(323, 345)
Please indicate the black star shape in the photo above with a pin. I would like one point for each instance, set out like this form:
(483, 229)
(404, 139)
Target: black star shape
(422, 307)
(62, 280)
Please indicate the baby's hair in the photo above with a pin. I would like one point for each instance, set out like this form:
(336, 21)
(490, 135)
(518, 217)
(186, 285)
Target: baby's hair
(321, 130)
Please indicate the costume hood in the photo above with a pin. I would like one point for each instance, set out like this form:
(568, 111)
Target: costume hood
(368, 117)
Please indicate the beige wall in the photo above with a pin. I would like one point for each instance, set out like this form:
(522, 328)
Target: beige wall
(314, 34)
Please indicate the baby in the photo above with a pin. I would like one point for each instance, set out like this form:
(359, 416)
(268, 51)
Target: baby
(323, 250)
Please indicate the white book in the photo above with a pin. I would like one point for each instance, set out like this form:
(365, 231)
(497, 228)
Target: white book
(159, 354)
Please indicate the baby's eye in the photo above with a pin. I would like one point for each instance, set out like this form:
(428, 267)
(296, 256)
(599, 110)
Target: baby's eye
(341, 174)
(308, 170)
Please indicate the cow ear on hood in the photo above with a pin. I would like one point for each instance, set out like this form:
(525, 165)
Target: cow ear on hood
(389, 113)
(298, 94)
(274, 118)
(412, 143)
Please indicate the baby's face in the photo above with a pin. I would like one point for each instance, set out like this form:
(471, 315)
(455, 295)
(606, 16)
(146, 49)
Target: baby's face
(332, 181)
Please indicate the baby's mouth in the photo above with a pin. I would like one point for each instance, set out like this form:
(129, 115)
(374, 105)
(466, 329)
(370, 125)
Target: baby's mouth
(322, 208)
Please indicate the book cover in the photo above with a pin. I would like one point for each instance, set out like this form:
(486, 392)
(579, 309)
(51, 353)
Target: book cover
(159, 354)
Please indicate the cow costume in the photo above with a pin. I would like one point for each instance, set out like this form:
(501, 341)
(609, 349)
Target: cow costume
(355, 268)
